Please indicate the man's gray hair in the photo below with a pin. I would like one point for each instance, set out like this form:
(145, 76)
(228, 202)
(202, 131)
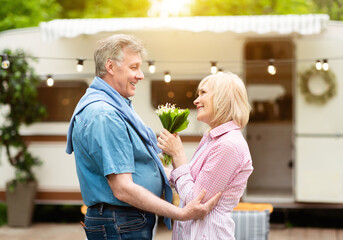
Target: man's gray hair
(112, 48)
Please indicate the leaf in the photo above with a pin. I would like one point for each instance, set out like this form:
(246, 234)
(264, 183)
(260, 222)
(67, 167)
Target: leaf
(165, 119)
(19, 91)
(183, 126)
(173, 119)
(180, 122)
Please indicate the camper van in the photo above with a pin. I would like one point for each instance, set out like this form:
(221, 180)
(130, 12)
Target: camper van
(295, 132)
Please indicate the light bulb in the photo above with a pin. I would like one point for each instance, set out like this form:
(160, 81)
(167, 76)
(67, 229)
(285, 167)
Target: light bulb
(79, 66)
(5, 64)
(152, 67)
(50, 81)
(325, 65)
(271, 68)
(318, 65)
(214, 68)
(167, 77)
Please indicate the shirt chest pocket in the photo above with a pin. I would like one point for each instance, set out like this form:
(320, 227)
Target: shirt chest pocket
(139, 149)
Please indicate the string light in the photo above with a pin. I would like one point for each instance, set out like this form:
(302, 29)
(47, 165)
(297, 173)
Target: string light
(318, 65)
(325, 65)
(49, 81)
(152, 67)
(167, 77)
(5, 64)
(214, 68)
(271, 67)
(79, 66)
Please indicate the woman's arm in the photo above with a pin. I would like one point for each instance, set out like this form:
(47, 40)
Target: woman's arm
(220, 165)
(219, 169)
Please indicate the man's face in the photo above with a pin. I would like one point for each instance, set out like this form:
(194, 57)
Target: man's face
(126, 76)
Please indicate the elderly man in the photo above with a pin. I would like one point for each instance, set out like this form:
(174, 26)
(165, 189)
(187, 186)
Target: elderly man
(121, 177)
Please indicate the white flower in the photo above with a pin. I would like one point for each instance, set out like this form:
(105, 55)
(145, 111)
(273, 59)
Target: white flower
(165, 108)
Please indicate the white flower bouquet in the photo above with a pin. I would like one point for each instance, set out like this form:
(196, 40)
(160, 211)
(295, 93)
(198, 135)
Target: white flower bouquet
(174, 120)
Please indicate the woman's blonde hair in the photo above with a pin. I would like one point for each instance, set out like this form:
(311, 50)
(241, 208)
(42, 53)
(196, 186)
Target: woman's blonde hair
(229, 99)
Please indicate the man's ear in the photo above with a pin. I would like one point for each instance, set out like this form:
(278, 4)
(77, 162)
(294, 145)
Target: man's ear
(109, 66)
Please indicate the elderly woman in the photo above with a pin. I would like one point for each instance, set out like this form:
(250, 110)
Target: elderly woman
(222, 161)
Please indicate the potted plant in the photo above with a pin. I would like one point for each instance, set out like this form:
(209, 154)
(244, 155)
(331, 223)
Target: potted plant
(18, 96)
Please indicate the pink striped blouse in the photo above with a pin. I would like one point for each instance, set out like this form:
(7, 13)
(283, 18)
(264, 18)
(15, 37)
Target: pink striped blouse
(222, 164)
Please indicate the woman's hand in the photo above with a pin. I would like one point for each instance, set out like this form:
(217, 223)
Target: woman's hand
(171, 144)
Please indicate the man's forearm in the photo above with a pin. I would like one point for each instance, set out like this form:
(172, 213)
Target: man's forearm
(127, 191)
(142, 198)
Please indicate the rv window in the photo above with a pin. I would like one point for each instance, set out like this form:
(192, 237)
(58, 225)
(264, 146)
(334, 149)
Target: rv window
(258, 53)
(270, 95)
(60, 100)
(179, 92)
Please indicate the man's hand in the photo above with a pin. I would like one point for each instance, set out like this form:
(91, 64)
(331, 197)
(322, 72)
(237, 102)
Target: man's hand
(127, 191)
(196, 210)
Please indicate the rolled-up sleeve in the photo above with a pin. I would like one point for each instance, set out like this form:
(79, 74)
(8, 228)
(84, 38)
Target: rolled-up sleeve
(112, 145)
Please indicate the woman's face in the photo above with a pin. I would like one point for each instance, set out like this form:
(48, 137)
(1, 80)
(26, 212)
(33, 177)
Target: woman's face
(204, 104)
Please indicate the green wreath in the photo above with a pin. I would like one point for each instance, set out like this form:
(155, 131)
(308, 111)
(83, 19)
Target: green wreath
(327, 76)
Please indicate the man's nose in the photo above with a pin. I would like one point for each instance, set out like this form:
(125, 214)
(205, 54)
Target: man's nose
(140, 75)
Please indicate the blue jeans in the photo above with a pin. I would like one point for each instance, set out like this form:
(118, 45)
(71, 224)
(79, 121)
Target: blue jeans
(119, 224)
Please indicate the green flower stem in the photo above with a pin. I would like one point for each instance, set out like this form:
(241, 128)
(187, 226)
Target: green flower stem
(167, 159)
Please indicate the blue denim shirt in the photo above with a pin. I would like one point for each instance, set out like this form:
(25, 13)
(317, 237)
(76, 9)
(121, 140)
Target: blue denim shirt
(105, 143)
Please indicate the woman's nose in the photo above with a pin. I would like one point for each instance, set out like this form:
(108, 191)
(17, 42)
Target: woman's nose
(196, 101)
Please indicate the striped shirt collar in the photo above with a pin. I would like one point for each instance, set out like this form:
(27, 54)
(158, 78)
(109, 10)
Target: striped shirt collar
(221, 129)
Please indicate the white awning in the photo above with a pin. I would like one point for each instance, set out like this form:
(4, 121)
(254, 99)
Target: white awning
(282, 24)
